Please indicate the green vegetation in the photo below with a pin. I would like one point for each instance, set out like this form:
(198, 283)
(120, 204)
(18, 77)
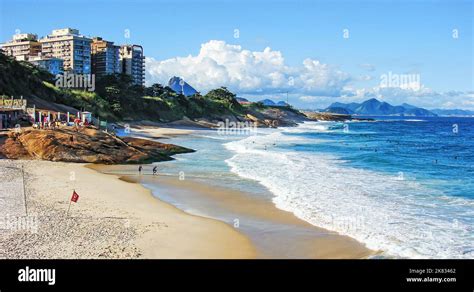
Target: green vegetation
(23, 78)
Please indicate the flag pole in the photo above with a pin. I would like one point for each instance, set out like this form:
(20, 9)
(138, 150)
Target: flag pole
(24, 192)
(69, 207)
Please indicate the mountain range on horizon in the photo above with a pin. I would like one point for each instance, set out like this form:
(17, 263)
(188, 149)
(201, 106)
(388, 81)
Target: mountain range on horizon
(269, 102)
(453, 112)
(370, 107)
(374, 107)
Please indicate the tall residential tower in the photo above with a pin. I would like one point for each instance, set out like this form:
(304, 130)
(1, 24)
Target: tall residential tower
(71, 47)
(105, 57)
(132, 62)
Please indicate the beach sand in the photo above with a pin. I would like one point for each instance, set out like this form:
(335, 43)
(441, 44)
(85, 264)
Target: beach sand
(117, 217)
(165, 131)
(159, 133)
(279, 234)
(112, 219)
(274, 233)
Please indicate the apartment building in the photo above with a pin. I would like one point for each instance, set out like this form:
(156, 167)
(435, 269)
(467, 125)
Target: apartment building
(132, 62)
(53, 65)
(22, 46)
(71, 47)
(105, 57)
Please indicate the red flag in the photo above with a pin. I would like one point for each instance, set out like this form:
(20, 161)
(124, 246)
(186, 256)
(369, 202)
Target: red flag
(74, 197)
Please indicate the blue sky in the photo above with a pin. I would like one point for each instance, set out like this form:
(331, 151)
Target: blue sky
(402, 37)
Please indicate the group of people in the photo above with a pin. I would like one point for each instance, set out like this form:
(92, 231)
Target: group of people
(155, 169)
(45, 124)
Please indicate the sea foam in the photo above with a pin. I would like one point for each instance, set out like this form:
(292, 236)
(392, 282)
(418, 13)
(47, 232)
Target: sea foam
(401, 218)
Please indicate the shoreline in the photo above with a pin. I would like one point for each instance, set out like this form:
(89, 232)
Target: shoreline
(146, 226)
(311, 241)
(275, 233)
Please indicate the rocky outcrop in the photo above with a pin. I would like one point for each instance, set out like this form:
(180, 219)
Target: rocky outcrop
(275, 117)
(86, 145)
(327, 116)
(323, 116)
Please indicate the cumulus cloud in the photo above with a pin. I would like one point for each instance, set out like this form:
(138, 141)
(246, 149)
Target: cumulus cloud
(248, 72)
(257, 74)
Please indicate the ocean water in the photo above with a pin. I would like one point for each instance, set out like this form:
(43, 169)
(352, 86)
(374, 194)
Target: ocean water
(401, 186)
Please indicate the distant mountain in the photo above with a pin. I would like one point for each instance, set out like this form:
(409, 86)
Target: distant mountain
(186, 89)
(337, 110)
(408, 106)
(374, 107)
(419, 112)
(348, 106)
(267, 102)
(453, 112)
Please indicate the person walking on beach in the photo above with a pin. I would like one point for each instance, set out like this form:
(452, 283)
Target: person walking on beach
(154, 170)
(140, 169)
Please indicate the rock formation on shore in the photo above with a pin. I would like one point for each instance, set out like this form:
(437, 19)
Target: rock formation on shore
(317, 116)
(86, 145)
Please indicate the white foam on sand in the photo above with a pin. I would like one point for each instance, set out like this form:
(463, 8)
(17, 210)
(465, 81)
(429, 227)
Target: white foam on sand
(402, 218)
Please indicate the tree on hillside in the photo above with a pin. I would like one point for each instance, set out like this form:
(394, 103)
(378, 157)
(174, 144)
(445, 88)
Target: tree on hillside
(224, 96)
(155, 90)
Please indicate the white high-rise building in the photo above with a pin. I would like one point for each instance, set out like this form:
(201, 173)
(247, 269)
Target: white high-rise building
(22, 46)
(71, 47)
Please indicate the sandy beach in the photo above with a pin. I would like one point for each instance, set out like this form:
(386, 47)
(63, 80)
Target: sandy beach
(274, 233)
(117, 217)
(168, 130)
(112, 219)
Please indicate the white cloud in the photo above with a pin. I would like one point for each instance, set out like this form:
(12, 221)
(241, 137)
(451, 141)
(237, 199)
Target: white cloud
(244, 71)
(264, 74)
